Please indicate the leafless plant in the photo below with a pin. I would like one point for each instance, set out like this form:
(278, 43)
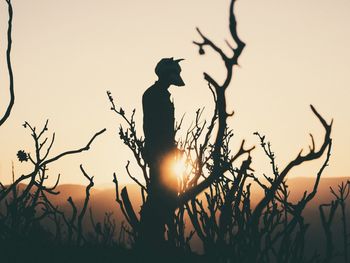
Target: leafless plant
(340, 195)
(27, 200)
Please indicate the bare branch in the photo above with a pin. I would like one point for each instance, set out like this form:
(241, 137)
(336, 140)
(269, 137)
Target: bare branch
(220, 105)
(129, 209)
(242, 151)
(208, 42)
(312, 155)
(9, 65)
(86, 148)
(118, 200)
(134, 178)
(86, 201)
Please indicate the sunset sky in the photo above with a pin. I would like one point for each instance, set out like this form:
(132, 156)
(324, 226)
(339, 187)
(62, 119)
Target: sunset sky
(67, 54)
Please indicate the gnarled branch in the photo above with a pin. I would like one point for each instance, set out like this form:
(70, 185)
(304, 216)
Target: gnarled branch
(9, 65)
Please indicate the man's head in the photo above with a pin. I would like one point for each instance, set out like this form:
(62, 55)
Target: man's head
(168, 70)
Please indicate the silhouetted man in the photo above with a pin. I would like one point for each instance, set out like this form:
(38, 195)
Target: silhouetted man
(160, 150)
(158, 122)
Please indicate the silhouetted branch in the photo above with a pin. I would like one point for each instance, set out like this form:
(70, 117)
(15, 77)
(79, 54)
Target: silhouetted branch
(207, 42)
(86, 148)
(86, 201)
(340, 198)
(119, 201)
(242, 151)
(133, 178)
(130, 138)
(71, 223)
(9, 65)
(326, 224)
(40, 163)
(220, 106)
(312, 155)
(129, 209)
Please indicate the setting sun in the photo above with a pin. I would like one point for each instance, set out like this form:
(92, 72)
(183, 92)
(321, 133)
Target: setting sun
(179, 166)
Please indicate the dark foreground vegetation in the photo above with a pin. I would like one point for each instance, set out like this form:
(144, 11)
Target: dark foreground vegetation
(213, 204)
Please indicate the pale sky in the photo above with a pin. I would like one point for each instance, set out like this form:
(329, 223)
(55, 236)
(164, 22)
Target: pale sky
(66, 54)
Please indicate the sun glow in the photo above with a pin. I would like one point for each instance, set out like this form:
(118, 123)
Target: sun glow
(179, 166)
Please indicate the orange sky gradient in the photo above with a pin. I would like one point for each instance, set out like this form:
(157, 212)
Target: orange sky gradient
(67, 54)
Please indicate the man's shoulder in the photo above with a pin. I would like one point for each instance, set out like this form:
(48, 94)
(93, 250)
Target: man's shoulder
(152, 93)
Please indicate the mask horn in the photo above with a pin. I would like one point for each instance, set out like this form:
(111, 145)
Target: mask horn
(178, 60)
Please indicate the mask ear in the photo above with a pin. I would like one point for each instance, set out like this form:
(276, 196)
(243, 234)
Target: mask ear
(178, 60)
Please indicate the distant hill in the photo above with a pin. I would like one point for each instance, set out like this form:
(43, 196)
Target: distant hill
(104, 199)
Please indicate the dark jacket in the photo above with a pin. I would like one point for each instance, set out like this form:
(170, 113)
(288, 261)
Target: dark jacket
(158, 122)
